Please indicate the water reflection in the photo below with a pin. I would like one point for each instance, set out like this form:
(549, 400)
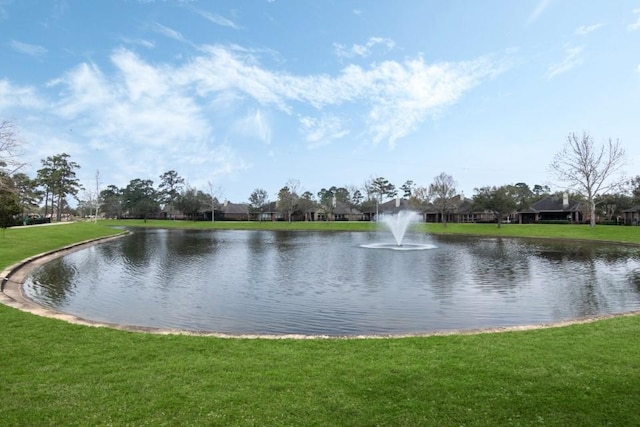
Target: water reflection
(500, 265)
(55, 281)
(326, 283)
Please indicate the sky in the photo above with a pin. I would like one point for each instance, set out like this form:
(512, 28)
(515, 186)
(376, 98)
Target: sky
(239, 95)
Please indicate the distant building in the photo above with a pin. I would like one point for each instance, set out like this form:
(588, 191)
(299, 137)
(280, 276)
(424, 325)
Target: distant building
(234, 211)
(631, 216)
(557, 207)
(341, 212)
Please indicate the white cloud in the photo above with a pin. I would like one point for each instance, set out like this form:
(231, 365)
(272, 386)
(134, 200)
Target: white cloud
(402, 95)
(227, 161)
(320, 131)
(148, 118)
(571, 59)
(219, 20)
(221, 71)
(254, 125)
(168, 32)
(636, 25)
(138, 106)
(27, 49)
(539, 10)
(140, 78)
(396, 96)
(13, 97)
(359, 50)
(137, 118)
(83, 89)
(139, 42)
(586, 29)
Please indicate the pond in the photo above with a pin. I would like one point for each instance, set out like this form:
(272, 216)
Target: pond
(327, 283)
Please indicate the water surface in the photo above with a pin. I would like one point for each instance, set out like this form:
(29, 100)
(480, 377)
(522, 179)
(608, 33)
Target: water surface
(278, 282)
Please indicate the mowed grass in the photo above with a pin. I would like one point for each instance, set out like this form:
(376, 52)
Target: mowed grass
(249, 225)
(54, 373)
(608, 233)
(19, 243)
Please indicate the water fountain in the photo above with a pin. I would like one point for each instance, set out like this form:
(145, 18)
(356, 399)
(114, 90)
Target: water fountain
(398, 223)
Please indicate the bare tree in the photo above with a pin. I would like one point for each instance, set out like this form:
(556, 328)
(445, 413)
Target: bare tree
(420, 200)
(589, 169)
(9, 148)
(95, 217)
(288, 198)
(295, 186)
(215, 193)
(90, 202)
(442, 191)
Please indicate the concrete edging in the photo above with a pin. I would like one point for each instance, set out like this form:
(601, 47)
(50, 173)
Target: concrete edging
(12, 278)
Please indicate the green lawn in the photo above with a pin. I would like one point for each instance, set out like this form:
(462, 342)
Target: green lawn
(611, 233)
(603, 232)
(249, 225)
(19, 243)
(54, 373)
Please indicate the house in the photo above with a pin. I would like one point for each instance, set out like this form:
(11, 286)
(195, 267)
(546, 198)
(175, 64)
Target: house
(461, 210)
(631, 216)
(394, 206)
(272, 212)
(234, 211)
(371, 208)
(341, 212)
(466, 213)
(557, 207)
(268, 212)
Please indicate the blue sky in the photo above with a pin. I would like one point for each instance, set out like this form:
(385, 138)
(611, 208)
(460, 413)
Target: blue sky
(252, 94)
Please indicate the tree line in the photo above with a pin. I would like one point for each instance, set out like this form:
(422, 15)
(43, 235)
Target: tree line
(590, 170)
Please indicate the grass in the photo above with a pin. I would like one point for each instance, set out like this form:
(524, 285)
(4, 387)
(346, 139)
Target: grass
(609, 233)
(249, 225)
(54, 373)
(19, 243)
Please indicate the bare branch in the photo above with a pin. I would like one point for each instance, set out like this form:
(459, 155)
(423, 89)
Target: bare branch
(9, 148)
(589, 169)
